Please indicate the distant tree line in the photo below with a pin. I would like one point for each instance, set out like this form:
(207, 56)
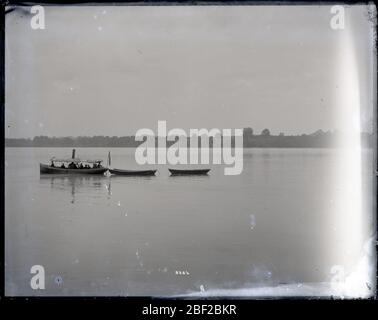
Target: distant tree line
(94, 141)
(318, 139)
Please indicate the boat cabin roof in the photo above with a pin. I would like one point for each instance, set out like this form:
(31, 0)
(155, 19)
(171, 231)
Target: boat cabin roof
(75, 160)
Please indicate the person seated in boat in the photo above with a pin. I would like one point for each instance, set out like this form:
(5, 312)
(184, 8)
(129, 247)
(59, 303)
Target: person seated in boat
(63, 166)
(52, 164)
(87, 166)
(72, 166)
(95, 166)
(81, 166)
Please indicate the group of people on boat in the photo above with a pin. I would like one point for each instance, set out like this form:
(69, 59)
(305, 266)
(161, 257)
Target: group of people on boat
(73, 165)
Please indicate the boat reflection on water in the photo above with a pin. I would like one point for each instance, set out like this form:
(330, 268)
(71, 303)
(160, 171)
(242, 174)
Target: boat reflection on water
(76, 183)
(178, 177)
(93, 186)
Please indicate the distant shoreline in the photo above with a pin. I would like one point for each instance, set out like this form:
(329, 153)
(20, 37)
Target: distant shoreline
(318, 139)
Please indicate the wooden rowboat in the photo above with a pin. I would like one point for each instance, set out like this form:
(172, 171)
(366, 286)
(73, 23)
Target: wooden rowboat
(189, 172)
(121, 172)
(132, 172)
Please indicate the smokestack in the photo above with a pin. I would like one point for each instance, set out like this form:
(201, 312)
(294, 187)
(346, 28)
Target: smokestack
(73, 153)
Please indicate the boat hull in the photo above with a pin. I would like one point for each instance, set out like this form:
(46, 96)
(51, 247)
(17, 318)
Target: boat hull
(181, 172)
(132, 172)
(46, 169)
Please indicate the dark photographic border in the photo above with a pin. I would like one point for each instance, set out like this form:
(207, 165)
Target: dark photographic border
(133, 305)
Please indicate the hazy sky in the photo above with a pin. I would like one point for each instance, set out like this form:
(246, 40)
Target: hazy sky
(113, 70)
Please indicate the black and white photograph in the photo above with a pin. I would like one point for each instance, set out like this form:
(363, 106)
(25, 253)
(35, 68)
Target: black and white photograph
(190, 151)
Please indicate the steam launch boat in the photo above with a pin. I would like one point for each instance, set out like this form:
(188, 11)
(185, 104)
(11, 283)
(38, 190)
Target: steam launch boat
(72, 166)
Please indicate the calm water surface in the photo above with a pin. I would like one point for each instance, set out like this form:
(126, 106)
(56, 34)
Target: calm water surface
(168, 235)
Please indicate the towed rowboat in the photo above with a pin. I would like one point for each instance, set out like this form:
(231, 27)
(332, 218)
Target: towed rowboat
(176, 172)
(121, 172)
(132, 172)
